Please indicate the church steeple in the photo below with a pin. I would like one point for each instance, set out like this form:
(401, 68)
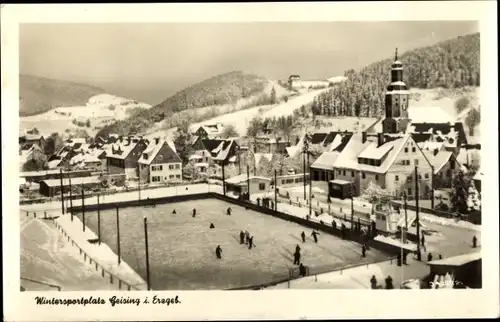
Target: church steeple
(396, 100)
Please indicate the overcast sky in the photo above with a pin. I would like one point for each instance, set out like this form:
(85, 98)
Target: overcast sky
(150, 62)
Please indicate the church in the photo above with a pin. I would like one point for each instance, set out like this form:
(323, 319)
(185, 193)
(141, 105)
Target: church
(388, 152)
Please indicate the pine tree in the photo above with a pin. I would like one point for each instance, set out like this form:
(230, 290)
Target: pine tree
(460, 191)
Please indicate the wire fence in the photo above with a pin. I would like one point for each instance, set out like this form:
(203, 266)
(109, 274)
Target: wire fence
(59, 288)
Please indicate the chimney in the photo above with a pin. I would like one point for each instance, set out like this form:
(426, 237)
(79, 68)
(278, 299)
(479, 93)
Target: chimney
(436, 151)
(157, 141)
(363, 137)
(129, 139)
(380, 140)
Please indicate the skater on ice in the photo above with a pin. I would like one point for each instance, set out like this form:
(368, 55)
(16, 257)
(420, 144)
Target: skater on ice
(228, 212)
(218, 252)
(194, 212)
(303, 235)
(212, 226)
(242, 237)
(315, 236)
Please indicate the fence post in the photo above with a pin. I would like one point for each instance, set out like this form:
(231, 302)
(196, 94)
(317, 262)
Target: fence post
(45, 214)
(27, 213)
(34, 213)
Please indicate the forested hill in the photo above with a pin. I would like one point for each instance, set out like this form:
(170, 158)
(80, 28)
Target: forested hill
(219, 90)
(38, 94)
(450, 64)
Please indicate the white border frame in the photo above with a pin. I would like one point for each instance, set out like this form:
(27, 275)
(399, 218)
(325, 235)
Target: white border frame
(288, 304)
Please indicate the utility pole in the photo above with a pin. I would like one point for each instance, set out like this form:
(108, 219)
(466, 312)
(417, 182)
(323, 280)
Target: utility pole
(352, 206)
(432, 187)
(139, 186)
(304, 170)
(70, 197)
(310, 190)
(118, 234)
(147, 252)
(248, 181)
(406, 215)
(62, 190)
(83, 207)
(223, 179)
(98, 220)
(275, 192)
(419, 255)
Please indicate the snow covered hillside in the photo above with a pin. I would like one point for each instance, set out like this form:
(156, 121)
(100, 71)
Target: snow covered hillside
(99, 110)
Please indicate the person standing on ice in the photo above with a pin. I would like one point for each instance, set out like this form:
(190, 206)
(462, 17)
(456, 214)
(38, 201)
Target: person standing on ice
(229, 211)
(218, 252)
(242, 237)
(194, 212)
(315, 236)
(296, 257)
(474, 242)
(297, 249)
(247, 236)
(363, 251)
(174, 212)
(303, 235)
(250, 243)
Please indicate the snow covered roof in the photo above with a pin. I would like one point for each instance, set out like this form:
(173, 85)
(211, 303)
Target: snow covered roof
(348, 158)
(74, 181)
(439, 160)
(457, 260)
(243, 178)
(339, 181)
(53, 164)
(325, 161)
(153, 149)
(375, 152)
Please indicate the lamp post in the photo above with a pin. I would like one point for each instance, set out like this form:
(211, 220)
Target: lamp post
(352, 206)
(419, 255)
(432, 187)
(147, 253)
(275, 192)
(248, 181)
(223, 179)
(70, 197)
(83, 208)
(62, 190)
(118, 234)
(98, 220)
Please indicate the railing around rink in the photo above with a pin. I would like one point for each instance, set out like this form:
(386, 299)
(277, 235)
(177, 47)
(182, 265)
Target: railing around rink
(122, 284)
(59, 288)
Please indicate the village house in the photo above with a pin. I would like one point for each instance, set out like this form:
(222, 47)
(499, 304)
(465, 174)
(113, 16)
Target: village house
(30, 137)
(445, 163)
(386, 160)
(209, 130)
(122, 156)
(266, 144)
(29, 151)
(160, 163)
(220, 151)
(239, 184)
(294, 82)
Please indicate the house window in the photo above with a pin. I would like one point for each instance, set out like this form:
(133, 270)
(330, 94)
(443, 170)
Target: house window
(363, 175)
(262, 186)
(155, 179)
(419, 176)
(409, 191)
(413, 149)
(452, 165)
(177, 176)
(171, 176)
(283, 181)
(406, 150)
(448, 173)
(343, 173)
(177, 166)
(416, 161)
(171, 167)
(352, 174)
(426, 176)
(376, 177)
(396, 178)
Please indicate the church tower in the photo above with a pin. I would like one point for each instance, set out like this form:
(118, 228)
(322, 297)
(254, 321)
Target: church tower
(396, 101)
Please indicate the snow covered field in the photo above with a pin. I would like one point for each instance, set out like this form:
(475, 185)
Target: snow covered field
(99, 109)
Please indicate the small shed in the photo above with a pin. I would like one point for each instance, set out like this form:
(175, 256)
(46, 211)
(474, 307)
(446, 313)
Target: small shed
(239, 184)
(52, 187)
(340, 189)
(467, 269)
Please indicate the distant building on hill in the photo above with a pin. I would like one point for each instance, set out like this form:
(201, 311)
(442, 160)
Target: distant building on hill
(294, 81)
(210, 130)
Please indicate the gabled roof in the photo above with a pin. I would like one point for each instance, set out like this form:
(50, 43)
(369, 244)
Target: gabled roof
(318, 138)
(154, 149)
(325, 161)
(375, 152)
(345, 138)
(120, 150)
(439, 160)
(210, 144)
(348, 159)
